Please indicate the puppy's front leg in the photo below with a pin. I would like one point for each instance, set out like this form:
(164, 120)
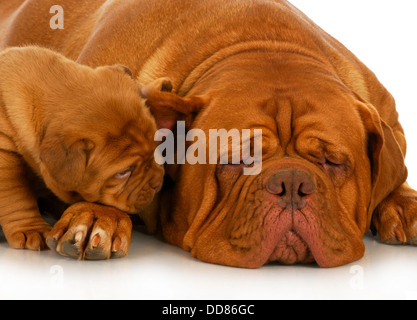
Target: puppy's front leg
(20, 219)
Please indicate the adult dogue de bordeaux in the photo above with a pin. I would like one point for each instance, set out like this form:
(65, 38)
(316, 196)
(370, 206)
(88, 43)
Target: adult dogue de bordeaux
(333, 149)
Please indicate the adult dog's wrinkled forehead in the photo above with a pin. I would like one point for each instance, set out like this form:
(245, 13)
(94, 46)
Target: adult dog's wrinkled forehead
(297, 94)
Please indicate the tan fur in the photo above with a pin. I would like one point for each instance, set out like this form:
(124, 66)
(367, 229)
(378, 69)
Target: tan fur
(73, 129)
(255, 63)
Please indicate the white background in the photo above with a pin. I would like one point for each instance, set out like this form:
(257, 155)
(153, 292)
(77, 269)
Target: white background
(383, 34)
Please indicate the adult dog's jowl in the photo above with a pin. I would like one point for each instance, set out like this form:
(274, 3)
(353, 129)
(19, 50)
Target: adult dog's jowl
(333, 149)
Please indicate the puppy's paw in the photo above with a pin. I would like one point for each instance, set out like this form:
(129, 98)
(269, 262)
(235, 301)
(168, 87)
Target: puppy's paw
(92, 232)
(395, 219)
(27, 234)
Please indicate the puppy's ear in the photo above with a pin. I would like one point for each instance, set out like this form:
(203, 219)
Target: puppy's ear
(123, 69)
(167, 107)
(65, 159)
(387, 160)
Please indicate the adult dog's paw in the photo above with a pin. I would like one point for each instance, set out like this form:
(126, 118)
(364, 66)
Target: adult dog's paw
(395, 219)
(91, 232)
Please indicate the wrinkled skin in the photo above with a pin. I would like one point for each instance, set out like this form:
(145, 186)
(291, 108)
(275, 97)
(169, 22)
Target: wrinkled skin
(257, 64)
(240, 222)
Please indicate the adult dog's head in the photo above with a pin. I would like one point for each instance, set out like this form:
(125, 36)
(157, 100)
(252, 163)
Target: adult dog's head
(328, 161)
(100, 146)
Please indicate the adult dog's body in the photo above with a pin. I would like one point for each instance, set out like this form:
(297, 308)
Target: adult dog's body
(333, 147)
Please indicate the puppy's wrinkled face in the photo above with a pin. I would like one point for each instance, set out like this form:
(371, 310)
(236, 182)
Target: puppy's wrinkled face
(122, 171)
(103, 149)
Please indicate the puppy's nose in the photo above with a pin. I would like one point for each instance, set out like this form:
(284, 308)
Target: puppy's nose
(292, 186)
(156, 182)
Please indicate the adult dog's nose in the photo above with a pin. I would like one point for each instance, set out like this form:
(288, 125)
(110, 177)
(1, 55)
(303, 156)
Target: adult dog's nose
(291, 186)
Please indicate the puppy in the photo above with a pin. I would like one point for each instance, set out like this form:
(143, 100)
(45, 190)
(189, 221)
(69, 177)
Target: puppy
(80, 133)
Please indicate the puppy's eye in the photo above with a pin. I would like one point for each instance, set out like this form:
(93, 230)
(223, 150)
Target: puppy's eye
(124, 174)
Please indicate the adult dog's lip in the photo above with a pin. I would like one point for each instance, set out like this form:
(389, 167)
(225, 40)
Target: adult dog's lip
(292, 249)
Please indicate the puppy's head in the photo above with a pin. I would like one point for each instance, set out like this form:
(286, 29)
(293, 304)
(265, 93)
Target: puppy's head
(100, 147)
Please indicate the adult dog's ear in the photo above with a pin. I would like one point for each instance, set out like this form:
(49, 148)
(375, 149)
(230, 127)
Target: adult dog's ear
(64, 160)
(387, 160)
(167, 107)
